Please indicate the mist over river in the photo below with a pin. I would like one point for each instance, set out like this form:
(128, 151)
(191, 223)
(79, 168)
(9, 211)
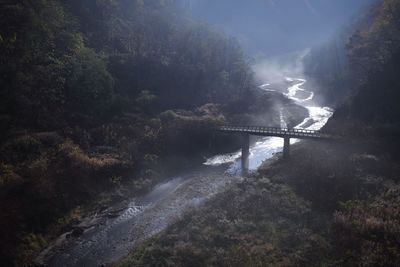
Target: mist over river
(108, 238)
(266, 147)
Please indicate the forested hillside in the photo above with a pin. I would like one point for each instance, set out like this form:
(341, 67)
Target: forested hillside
(96, 95)
(374, 60)
(79, 58)
(355, 55)
(328, 65)
(334, 203)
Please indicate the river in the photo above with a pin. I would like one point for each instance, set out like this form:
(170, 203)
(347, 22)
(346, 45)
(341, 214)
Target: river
(109, 238)
(266, 147)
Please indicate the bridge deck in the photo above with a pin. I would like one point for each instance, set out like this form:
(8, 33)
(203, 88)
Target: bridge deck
(274, 131)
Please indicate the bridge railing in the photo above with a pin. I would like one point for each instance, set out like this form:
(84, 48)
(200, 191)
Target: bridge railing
(272, 130)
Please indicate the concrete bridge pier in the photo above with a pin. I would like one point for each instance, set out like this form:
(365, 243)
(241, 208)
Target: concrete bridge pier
(286, 148)
(245, 152)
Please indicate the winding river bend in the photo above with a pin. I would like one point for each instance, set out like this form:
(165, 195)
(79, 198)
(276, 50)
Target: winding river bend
(107, 239)
(266, 147)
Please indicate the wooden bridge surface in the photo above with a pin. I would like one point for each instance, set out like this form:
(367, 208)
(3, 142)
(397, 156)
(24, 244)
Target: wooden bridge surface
(275, 132)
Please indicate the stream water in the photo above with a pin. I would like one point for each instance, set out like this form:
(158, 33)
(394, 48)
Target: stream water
(266, 147)
(105, 241)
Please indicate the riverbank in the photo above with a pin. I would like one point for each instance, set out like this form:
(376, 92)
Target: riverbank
(305, 212)
(334, 203)
(109, 205)
(234, 221)
(95, 218)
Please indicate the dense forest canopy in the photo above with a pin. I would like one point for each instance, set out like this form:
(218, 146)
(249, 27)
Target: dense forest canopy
(69, 60)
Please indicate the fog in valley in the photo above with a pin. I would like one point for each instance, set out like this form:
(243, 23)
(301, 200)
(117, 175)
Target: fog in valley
(267, 28)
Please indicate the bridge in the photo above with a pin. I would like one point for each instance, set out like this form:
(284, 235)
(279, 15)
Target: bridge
(285, 133)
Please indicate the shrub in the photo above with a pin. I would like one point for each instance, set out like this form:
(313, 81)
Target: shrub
(370, 229)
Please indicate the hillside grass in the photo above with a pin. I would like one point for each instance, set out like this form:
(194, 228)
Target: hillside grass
(333, 204)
